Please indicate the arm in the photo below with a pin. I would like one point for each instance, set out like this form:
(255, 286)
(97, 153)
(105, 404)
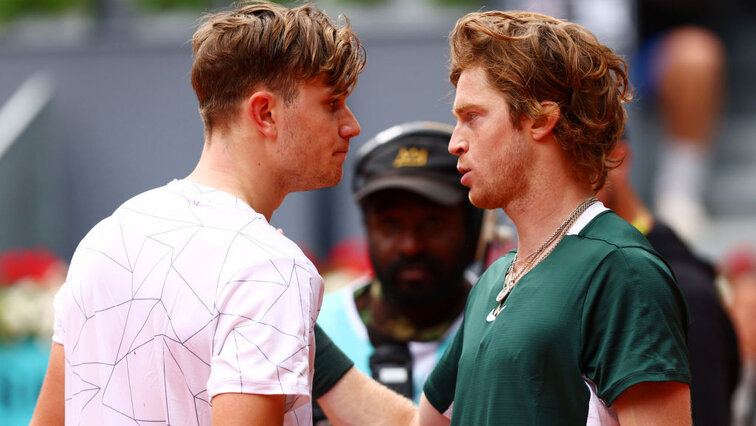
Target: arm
(348, 396)
(256, 365)
(248, 409)
(654, 403)
(428, 415)
(358, 399)
(330, 364)
(50, 409)
(635, 349)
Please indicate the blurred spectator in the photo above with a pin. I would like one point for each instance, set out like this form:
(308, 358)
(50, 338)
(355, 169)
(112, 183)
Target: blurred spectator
(712, 341)
(739, 266)
(681, 64)
(422, 233)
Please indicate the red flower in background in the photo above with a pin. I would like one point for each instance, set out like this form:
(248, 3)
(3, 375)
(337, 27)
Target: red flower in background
(38, 265)
(29, 279)
(350, 254)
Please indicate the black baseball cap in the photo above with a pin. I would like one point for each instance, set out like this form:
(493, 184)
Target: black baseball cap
(411, 156)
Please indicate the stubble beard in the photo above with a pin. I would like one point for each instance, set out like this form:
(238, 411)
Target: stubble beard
(510, 181)
(302, 174)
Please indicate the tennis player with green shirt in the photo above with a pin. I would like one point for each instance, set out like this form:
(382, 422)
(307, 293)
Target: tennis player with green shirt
(583, 323)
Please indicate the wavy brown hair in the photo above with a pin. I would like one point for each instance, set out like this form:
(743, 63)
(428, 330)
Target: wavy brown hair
(263, 44)
(533, 58)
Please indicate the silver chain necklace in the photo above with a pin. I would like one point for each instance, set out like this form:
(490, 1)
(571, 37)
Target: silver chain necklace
(511, 278)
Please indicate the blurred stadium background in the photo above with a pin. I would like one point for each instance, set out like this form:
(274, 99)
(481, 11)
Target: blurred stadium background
(96, 106)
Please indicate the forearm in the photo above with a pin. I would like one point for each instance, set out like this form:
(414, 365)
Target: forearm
(50, 409)
(358, 399)
(428, 415)
(237, 409)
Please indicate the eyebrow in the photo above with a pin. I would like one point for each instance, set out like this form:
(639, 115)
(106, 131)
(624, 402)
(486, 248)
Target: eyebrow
(337, 94)
(459, 108)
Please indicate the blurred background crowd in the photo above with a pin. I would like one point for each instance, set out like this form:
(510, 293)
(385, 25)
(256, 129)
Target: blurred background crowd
(96, 106)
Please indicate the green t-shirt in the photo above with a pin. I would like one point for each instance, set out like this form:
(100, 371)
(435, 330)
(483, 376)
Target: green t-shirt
(602, 305)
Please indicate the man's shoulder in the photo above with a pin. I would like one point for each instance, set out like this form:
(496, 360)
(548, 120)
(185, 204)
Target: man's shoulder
(611, 232)
(608, 241)
(216, 217)
(262, 250)
(198, 219)
(148, 197)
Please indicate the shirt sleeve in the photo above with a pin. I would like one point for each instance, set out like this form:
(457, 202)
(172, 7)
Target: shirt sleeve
(58, 330)
(330, 364)
(635, 324)
(263, 342)
(441, 384)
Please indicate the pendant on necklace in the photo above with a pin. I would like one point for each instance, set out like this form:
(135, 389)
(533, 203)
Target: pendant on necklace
(495, 312)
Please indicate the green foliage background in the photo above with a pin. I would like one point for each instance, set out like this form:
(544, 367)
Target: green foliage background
(177, 4)
(10, 9)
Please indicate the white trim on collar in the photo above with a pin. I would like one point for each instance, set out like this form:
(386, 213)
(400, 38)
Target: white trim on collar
(587, 216)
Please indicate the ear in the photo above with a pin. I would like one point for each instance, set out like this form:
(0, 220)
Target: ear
(544, 126)
(260, 111)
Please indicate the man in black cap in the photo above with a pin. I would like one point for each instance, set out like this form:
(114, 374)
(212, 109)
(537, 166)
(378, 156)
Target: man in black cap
(422, 233)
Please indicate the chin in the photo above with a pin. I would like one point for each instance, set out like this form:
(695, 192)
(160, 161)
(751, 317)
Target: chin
(483, 202)
(323, 181)
(334, 180)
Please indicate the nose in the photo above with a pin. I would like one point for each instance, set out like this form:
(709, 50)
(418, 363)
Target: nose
(457, 143)
(349, 127)
(410, 243)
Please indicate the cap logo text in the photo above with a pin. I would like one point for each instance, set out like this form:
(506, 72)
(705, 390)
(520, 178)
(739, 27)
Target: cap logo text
(411, 157)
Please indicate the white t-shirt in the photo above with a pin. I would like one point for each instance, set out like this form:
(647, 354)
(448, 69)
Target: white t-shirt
(184, 293)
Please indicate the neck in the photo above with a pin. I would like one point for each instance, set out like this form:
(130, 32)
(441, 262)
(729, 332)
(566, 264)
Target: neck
(552, 192)
(537, 217)
(238, 165)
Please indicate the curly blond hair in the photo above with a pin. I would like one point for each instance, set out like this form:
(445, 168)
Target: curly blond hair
(533, 58)
(263, 44)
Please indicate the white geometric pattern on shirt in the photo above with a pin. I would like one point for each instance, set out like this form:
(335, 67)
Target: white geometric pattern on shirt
(186, 277)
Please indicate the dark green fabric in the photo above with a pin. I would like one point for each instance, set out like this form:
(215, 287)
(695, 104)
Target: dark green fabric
(603, 305)
(330, 364)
